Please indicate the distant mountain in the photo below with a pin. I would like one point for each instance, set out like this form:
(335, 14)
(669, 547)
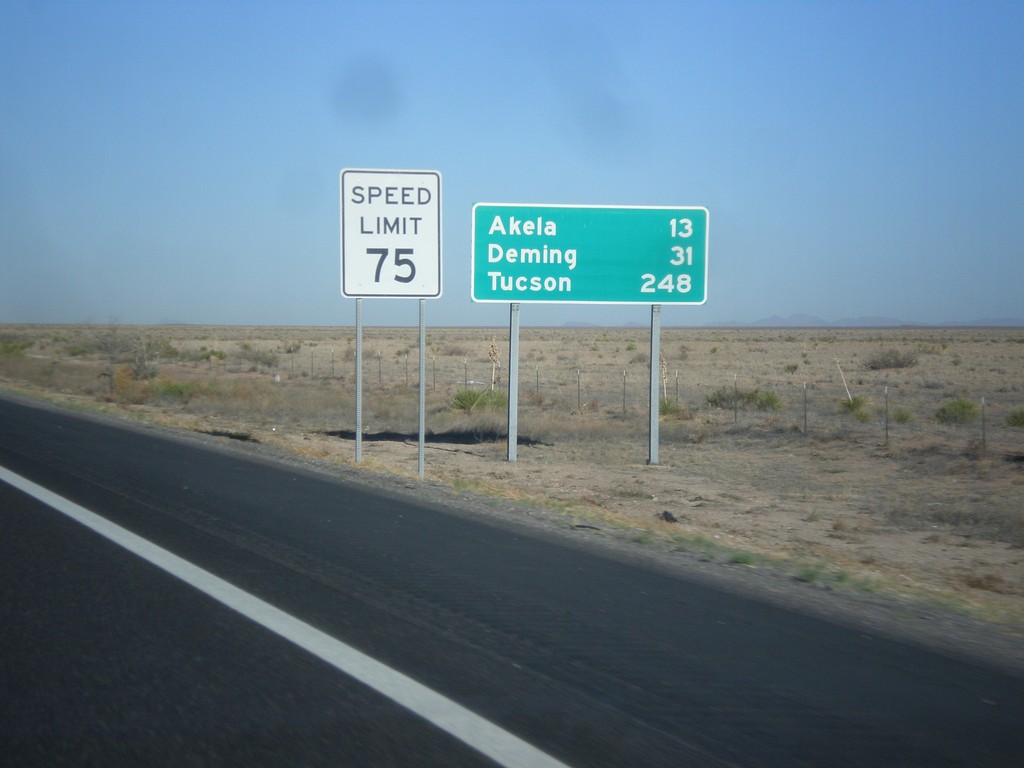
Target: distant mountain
(1002, 322)
(812, 321)
(801, 320)
(872, 322)
(793, 321)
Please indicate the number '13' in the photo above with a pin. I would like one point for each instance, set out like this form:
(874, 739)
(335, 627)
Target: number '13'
(681, 227)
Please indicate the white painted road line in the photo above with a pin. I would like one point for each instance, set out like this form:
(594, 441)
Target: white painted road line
(475, 731)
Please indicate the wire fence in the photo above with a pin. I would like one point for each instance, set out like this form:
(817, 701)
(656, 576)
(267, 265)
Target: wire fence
(862, 407)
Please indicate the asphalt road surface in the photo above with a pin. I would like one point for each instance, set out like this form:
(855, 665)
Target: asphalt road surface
(555, 652)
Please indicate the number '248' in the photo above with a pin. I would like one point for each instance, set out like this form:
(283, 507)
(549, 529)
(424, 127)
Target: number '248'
(669, 283)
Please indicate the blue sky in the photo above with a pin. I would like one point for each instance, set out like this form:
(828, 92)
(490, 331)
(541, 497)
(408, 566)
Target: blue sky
(179, 161)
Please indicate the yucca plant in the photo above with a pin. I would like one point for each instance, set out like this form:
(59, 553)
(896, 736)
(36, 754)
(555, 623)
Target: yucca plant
(468, 399)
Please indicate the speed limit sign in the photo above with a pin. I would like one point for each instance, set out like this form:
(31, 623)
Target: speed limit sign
(390, 234)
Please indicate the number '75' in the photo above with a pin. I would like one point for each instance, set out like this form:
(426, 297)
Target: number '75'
(400, 262)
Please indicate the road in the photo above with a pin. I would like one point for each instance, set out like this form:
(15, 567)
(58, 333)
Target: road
(592, 661)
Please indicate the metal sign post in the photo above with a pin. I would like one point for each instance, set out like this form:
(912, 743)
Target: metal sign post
(390, 248)
(655, 403)
(423, 388)
(513, 382)
(359, 380)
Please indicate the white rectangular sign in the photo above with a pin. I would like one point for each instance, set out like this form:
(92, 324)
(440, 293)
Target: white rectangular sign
(390, 234)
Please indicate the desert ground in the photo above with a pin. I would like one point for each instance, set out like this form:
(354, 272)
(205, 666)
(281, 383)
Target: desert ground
(882, 464)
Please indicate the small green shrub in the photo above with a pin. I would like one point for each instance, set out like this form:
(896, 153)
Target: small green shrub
(177, 390)
(740, 557)
(1016, 418)
(731, 397)
(767, 401)
(857, 406)
(467, 400)
(791, 368)
(10, 348)
(902, 415)
(256, 358)
(669, 409)
(809, 574)
(161, 349)
(959, 411)
(723, 397)
(205, 354)
(887, 359)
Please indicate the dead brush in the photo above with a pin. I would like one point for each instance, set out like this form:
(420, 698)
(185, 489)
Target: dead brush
(989, 582)
(552, 426)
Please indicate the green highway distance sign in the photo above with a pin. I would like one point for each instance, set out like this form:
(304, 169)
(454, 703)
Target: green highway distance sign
(567, 254)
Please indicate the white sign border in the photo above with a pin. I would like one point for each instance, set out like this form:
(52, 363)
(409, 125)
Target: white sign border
(472, 255)
(440, 261)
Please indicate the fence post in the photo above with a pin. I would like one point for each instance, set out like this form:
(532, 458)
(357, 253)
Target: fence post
(886, 414)
(983, 436)
(805, 407)
(735, 399)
